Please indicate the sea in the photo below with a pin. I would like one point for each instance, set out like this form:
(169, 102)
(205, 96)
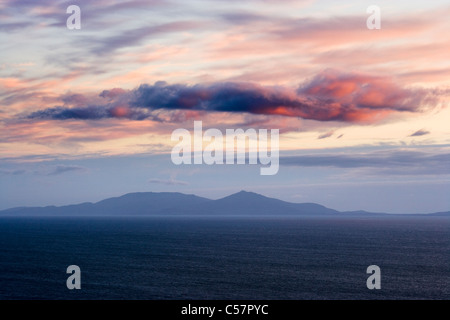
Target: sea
(225, 258)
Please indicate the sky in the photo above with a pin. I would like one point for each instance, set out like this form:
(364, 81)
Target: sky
(87, 114)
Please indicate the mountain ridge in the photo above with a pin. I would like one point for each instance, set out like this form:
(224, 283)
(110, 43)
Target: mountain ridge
(243, 203)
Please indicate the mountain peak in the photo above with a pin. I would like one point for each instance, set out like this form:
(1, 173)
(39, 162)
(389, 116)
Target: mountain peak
(247, 192)
(245, 195)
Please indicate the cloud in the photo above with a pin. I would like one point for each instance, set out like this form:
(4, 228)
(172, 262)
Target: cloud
(170, 182)
(389, 162)
(90, 113)
(113, 93)
(242, 17)
(75, 99)
(12, 172)
(136, 36)
(419, 133)
(60, 169)
(357, 97)
(13, 26)
(325, 135)
(329, 96)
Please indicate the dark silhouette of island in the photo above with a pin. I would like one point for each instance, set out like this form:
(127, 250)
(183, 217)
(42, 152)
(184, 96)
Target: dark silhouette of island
(242, 203)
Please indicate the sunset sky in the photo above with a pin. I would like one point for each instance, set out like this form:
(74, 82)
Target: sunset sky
(363, 114)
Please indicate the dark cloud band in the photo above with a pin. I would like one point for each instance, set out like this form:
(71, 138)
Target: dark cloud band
(330, 96)
(390, 162)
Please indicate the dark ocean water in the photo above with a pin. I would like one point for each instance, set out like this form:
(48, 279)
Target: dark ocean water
(225, 258)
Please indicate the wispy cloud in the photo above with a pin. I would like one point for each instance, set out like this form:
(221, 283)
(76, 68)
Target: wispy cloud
(60, 169)
(419, 133)
(14, 26)
(325, 135)
(170, 182)
(12, 172)
(136, 36)
(390, 162)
